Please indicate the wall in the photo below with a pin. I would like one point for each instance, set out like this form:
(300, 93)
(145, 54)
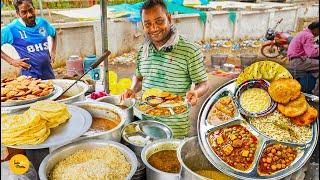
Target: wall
(83, 38)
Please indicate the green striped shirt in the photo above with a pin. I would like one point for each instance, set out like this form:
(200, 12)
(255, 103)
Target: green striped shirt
(174, 72)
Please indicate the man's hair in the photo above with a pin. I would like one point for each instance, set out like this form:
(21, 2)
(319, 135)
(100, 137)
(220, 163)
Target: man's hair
(17, 3)
(148, 4)
(314, 25)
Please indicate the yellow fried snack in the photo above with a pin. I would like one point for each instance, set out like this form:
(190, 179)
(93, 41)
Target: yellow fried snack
(306, 118)
(33, 126)
(26, 128)
(267, 70)
(284, 90)
(53, 112)
(151, 92)
(294, 108)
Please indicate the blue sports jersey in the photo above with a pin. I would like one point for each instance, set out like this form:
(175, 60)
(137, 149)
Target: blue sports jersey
(32, 43)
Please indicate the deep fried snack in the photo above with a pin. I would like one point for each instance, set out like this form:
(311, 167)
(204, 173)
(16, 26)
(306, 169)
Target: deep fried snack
(307, 118)
(294, 108)
(284, 90)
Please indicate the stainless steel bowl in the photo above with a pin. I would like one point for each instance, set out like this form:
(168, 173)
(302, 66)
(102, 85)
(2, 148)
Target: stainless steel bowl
(103, 110)
(76, 92)
(136, 129)
(156, 146)
(192, 159)
(115, 100)
(63, 152)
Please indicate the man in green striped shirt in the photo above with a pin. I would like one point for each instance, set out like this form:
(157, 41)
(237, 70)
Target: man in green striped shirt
(168, 61)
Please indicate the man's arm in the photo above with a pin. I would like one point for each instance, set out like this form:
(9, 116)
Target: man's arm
(15, 62)
(136, 84)
(198, 76)
(135, 87)
(53, 48)
(201, 88)
(310, 48)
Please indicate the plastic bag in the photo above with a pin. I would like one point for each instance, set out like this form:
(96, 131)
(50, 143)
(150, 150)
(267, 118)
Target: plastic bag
(7, 174)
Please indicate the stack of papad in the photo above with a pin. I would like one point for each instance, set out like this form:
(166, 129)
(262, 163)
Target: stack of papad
(53, 112)
(267, 70)
(33, 126)
(26, 128)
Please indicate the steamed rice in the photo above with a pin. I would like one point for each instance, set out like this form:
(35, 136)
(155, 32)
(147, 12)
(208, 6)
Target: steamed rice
(280, 128)
(100, 163)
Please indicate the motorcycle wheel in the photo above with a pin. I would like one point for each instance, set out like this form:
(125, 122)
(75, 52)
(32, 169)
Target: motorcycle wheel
(270, 51)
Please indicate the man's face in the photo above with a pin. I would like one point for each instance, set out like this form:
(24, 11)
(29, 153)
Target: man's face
(27, 13)
(156, 23)
(315, 32)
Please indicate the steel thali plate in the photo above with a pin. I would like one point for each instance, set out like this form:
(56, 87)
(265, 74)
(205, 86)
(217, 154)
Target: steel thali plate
(204, 128)
(78, 124)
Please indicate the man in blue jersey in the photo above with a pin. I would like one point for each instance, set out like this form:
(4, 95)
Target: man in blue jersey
(28, 35)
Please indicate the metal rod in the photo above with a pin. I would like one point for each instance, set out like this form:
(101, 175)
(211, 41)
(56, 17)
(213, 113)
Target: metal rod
(104, 38)
(40, 6)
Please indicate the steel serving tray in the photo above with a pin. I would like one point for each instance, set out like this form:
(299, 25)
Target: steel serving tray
(204, 128)
(28, 101)
(10, 109)
(78, 124)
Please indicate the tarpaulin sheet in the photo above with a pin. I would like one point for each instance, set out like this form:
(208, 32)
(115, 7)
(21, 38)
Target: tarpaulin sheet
(129, 11)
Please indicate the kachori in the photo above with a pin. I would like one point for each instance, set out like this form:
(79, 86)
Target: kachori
(294, 108)
(284, 90)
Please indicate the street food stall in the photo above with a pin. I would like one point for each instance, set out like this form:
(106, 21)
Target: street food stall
(256, 126)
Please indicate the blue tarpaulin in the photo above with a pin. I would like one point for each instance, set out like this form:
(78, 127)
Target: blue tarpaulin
(133, 10)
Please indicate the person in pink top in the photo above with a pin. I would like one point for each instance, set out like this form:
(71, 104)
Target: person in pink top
(303, 53)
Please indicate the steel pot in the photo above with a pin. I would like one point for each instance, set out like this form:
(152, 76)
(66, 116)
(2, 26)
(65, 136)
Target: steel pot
(76, 92)
(159, 145)
(53, 158)
(115, 100)
(103, 110)
(192, 159)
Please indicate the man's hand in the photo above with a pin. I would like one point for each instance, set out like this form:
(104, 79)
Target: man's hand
(53, 56)
(192, 97)
(127, 94)
(20, 63)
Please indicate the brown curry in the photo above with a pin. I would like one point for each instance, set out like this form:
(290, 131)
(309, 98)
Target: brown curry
(166, 161)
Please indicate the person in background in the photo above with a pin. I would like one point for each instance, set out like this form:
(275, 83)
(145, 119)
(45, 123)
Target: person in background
(303, 53)
(28, 34)
(168, 61)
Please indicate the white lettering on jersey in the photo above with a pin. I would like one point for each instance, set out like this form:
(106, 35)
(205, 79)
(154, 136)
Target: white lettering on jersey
(23, 34)
(30, 48)
(38, 47)
(46, 46)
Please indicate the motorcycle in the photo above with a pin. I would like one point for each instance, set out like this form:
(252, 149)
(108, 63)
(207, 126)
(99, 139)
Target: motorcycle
(278, 42)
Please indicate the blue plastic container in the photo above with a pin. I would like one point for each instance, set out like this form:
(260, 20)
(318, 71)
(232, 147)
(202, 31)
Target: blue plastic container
(88, 60)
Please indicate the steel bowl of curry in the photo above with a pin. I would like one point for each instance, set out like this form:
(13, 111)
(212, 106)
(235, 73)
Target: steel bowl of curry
(161, 159)
(126, 105)
(253, 99)
(107, 120)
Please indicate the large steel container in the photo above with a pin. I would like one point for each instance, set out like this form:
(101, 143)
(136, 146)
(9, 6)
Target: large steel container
(192, 159)
(115, 100)
(156, 146)
(103, 110)
(59, 154)
(75, 93)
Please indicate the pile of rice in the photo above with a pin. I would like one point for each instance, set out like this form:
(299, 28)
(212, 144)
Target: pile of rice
(101, 163)
(280, 128)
